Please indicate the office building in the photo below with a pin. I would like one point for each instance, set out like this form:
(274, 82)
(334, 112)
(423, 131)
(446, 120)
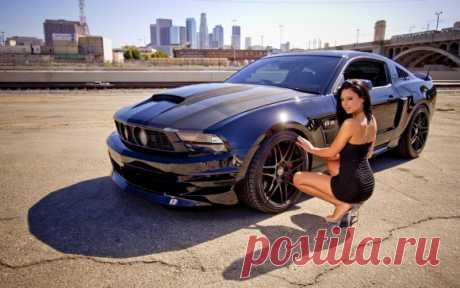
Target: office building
(203, 32)
(236, 37)
(247, 43)
(218, 37)
(191, 32)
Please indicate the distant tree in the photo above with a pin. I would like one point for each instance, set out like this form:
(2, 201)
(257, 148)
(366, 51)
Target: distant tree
(128, 54)
(159, 54)
(136, 53)
(132, 53)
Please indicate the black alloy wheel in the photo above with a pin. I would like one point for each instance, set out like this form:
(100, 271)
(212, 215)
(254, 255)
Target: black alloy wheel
(269, 186)
(414, 138)
(419, 132)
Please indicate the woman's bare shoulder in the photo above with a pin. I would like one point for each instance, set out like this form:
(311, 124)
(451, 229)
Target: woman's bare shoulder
(374, 120)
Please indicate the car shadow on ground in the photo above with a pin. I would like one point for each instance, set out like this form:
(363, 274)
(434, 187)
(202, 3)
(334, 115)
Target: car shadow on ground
(95, 218)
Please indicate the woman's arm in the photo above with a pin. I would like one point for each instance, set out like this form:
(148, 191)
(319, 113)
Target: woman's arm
(339, 142)
(336, 157)
(371, 150)
(371, 147)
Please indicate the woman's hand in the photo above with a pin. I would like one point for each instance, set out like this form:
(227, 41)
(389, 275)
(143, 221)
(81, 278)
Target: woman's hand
(304, 144)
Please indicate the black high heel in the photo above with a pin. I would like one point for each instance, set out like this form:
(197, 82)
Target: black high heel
(350, 217)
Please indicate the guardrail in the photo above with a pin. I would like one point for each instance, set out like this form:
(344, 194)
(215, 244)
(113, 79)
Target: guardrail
(123, 79)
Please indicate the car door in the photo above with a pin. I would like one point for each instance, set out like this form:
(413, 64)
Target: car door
(384, 97)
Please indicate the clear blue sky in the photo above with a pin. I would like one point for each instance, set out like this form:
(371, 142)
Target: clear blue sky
(334, 21)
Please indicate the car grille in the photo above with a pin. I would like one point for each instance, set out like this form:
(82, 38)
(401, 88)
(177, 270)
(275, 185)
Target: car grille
(156, 140)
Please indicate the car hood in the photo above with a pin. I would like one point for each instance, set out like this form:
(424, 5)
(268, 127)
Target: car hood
(199, 106)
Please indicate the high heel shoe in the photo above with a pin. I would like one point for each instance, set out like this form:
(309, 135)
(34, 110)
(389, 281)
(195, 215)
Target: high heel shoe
(350, 217)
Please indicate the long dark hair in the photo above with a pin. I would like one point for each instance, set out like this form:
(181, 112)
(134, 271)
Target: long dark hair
(360, 88)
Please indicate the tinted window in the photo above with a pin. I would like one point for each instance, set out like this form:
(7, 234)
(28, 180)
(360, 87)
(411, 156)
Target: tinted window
(401, 73)
(307, 73)
(370, 70)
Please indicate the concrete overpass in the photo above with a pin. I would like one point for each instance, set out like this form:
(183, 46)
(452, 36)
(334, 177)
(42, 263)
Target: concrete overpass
(417, 50)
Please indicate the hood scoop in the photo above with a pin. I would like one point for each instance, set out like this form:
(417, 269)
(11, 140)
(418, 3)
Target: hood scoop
(167, 97)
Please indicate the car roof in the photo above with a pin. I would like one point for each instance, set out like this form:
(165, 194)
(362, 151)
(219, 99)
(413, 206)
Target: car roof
(334, 53)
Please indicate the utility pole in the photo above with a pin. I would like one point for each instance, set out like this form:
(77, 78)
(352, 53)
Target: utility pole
(357, 36)
(281, 35)
(234, 52)
(262, 41)
(437, 19)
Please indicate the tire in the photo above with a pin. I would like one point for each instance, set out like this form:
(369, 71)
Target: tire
(414, 137)
(268, 186)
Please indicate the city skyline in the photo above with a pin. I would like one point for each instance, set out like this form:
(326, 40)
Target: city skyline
(270, 25)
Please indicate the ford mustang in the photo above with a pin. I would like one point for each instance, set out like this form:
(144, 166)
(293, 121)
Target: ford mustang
(233, 142)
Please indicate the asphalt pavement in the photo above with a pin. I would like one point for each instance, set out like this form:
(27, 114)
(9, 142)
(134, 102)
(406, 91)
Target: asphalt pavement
(63, 223)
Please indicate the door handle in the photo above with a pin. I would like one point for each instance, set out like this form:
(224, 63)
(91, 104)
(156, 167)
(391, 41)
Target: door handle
(390, 96)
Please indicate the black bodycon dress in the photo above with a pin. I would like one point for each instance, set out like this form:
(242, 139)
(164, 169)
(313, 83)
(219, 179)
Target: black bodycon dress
(355, 181)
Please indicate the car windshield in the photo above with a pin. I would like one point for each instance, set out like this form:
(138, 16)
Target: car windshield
(307, 73)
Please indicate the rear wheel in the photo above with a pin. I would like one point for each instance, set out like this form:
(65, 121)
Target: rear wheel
(413, 139)
(269, 186)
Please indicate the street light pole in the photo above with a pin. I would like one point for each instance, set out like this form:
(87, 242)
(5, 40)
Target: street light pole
(233, 44)
(437, 19)
(281, 35)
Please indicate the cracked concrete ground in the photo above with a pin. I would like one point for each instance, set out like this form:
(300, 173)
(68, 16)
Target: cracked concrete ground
(63, 223)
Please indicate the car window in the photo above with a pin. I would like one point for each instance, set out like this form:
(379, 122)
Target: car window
(270, 72)
(310, 73)
(403, 75)
(375, 71)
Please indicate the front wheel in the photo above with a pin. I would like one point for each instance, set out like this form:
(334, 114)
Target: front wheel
(269, 186)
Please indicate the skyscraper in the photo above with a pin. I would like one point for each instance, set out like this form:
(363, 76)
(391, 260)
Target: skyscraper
(163, 29)
(236, 37)
(247, 43)
(153, 35)
(218, 36)
(203, 32)
(191, 32)
(182, 35)
(174, 35)
(211, 42)
(160, 35)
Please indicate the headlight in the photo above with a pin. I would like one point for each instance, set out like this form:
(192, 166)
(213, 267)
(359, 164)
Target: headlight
(202, 140)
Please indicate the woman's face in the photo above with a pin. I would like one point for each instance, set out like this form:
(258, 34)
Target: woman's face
(351, 102)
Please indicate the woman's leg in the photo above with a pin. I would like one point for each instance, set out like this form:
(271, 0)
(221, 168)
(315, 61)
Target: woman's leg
(319, 185)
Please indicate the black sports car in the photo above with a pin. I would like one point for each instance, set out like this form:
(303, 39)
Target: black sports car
(221, 143)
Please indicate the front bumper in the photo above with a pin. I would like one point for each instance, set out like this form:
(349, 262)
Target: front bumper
(175, 180)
